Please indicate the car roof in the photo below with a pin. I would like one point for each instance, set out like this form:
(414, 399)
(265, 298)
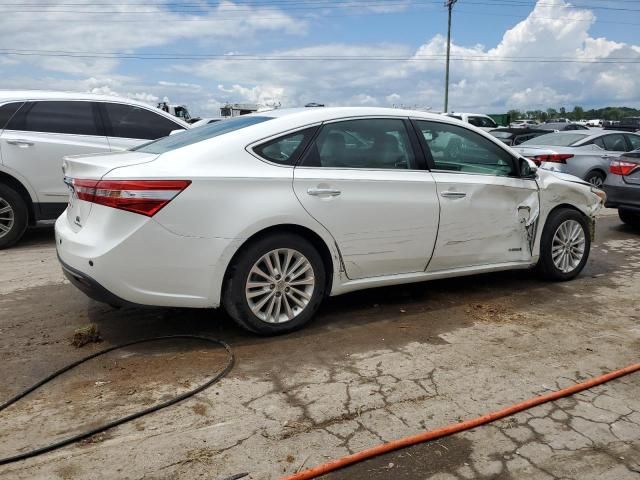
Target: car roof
(321, 114)
(520, 130)
(27, 95)
(60, 95)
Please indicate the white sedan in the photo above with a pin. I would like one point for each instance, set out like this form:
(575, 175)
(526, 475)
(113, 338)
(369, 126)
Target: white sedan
(268, 213)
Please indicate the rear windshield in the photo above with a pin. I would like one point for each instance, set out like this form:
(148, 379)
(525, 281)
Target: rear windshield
(501, 134)
(189, 137)
(557, 139)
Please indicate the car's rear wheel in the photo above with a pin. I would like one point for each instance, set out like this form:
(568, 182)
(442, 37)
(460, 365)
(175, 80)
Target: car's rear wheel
(630, 218)
(14, 216)
(595, 178)
(565, 245)
(275, 285)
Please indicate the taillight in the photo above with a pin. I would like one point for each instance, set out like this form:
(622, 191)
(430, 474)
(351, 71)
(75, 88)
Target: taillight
(621, 167)
(146, 197)
(553, 158)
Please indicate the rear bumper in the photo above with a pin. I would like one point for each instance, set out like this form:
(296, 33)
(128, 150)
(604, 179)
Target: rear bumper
(91, 288)
(122, 258)
(622, 196)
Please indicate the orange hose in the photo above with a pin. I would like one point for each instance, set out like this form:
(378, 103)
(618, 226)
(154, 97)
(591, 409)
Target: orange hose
(457, 427)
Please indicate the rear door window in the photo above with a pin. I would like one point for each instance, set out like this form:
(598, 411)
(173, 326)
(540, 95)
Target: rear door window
(76, 118)
(634, 140)
(614, 143)
(372, 143)
(131, 121)
(482, 122)
(7, 111)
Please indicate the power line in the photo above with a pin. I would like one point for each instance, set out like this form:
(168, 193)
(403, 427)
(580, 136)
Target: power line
(306, 58)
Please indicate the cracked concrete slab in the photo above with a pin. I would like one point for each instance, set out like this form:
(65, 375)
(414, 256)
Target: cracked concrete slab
(375, 366)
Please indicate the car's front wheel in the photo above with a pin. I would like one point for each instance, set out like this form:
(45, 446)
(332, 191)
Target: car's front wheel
(565, 245)
(14, 216)
(275, 285)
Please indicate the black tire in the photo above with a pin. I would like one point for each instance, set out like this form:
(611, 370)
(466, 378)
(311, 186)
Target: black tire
(630, 218)
(546, 266)
(12, 199)
(595, 178)
(234, 299)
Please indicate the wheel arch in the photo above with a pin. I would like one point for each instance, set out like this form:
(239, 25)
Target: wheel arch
(17, 185)
(308, 234)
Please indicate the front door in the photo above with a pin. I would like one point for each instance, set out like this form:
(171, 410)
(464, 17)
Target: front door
(360, 179)
(487, 213)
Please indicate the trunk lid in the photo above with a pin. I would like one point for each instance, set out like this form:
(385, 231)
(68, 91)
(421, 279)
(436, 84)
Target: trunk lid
(93, 167)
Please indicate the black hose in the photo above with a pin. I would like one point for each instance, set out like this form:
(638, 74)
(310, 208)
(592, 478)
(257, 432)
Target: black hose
(128, 418)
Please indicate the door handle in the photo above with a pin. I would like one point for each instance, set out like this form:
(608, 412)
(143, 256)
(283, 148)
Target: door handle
(331, 192)
(20, 143)
(453, 194)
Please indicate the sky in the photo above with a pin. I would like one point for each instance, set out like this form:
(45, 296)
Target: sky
(506, 54)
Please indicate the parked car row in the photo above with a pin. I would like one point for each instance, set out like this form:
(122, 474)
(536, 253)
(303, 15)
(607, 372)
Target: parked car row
(38, 129)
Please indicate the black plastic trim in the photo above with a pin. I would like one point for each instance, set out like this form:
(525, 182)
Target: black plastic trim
(48, 211)
(93, 289)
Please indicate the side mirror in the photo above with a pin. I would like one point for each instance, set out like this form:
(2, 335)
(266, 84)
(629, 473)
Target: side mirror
(178, 130)
(528, 169)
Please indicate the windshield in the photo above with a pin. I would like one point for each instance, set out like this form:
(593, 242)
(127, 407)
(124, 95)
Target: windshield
(195, 135)
(557, 139)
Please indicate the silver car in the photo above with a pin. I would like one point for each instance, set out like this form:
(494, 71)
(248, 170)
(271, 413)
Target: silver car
(585, 154)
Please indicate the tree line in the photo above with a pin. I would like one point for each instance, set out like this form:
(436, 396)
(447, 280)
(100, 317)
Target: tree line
(578, 113)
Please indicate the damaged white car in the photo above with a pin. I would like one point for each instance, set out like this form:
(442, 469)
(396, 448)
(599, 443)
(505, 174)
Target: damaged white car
(267, 214)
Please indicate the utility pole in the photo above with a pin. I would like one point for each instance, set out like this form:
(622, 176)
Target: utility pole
(449, 5)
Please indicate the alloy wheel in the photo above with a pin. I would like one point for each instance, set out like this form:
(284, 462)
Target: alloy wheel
(7, 217)
(568, 246)
(280, 285)
(596, 181)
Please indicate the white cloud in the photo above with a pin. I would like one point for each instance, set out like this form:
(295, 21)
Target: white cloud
(133, 26)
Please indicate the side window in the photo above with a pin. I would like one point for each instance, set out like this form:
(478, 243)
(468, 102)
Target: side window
(459, 149)
(614, 143)
(634, 140)
(285, 150)
(367, 143)
(130, 121)
(76, 118)
(7, 111)
(598, 141)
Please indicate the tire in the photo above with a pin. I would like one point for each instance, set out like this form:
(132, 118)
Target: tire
(571, 221)
(236, 296)
(630, 218)
(14, 216)
(595, 178)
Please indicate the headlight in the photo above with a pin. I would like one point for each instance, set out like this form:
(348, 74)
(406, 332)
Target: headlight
(599, 193)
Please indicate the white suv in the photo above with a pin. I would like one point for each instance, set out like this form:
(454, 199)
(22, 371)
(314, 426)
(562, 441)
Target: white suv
(38, 128)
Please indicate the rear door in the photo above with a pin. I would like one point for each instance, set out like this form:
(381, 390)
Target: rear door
(487, 213)
(37, 138)
(128, 126)
(362, 179)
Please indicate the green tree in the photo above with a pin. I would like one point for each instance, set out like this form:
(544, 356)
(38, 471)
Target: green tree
(578, 113)
(552, 112)
(515, 115)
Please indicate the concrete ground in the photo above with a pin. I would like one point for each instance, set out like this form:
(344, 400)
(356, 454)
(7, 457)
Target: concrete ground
(374, 366)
